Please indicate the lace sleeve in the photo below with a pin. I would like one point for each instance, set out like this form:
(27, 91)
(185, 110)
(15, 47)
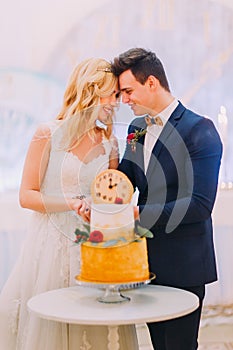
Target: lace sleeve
(42, 132)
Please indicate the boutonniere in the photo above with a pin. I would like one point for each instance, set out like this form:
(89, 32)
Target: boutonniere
(133, 138)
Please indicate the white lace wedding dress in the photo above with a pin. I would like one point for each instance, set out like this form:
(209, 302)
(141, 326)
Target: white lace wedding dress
(50, 260)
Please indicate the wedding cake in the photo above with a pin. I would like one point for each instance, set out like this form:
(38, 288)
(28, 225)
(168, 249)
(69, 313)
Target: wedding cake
(112, 252)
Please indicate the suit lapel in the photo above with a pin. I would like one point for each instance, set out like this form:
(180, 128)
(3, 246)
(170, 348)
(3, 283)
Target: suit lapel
(140, 153)
(138, 156)
(168, 129)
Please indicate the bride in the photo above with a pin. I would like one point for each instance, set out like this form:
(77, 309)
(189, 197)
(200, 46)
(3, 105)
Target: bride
(63, 158)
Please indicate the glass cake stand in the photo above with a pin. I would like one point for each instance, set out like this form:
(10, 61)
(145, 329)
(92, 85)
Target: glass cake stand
(112, 291)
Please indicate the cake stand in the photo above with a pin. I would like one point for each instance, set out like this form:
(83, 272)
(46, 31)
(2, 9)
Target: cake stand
(113, 291)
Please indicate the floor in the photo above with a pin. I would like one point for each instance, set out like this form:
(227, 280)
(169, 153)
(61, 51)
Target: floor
(215, 337)
(216, 332)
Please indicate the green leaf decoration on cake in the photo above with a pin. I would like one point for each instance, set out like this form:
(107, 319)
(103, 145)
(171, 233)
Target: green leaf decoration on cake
(142, 231)
(82, 233)
(87, 227)
(81, 236)
(110, 243)
(123, 239)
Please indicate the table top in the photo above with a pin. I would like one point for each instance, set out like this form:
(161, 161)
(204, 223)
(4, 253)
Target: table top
(78, 305)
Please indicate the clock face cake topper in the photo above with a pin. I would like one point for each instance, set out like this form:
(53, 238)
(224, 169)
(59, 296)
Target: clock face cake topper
(111, 186)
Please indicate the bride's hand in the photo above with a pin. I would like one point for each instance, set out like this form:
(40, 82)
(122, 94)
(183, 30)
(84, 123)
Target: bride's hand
(83, 209)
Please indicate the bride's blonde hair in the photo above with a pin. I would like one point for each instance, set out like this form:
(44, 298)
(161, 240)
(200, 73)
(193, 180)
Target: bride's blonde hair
(89, 81)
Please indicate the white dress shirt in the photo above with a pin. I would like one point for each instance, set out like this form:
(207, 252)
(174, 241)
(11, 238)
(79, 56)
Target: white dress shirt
(154, 130)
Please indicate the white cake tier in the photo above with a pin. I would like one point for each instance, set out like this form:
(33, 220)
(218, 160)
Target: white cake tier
(113, 220)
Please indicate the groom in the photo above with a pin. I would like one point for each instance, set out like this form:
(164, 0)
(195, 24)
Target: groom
(175, 166)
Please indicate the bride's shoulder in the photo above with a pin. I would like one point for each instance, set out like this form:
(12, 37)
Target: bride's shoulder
(113, 140)
(111, 144)
(46, 129)
(42, 131)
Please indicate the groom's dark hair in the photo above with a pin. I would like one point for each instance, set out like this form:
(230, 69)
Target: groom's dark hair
(142, 63)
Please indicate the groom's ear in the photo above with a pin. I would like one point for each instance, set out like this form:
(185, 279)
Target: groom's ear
(152, 82)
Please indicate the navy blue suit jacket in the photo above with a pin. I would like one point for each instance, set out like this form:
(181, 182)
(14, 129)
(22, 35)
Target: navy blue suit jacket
(177, 195)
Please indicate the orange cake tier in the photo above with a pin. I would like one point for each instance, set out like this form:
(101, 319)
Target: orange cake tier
(115, 264)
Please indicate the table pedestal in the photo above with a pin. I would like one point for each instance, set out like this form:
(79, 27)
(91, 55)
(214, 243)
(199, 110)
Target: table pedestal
(113, 338)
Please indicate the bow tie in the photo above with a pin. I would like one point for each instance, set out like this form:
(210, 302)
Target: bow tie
(153, 120)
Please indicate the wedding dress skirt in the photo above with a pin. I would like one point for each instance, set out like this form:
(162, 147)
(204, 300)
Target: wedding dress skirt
(49, 260)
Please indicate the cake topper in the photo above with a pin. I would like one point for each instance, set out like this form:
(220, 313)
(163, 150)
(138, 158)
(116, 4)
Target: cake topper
(111, 186)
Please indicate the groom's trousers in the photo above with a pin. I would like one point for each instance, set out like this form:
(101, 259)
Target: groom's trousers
(180, 333)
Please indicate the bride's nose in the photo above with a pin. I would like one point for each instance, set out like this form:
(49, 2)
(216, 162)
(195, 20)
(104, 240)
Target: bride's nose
(113, 100)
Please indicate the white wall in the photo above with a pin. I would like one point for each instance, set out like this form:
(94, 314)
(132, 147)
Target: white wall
(29, 29)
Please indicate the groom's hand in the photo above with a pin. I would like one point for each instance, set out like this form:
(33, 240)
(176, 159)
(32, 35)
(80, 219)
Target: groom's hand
(136, 213)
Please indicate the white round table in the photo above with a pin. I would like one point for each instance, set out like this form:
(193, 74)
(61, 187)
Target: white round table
(79, 305)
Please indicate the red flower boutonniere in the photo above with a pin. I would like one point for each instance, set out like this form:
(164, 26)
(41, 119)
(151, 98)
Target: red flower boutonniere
(133, 138)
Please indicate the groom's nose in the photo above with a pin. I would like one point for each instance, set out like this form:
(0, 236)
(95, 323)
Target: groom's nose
(125, 98)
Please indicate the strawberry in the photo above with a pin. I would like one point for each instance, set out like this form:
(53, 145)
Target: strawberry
(96, 236)
(118, 200)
